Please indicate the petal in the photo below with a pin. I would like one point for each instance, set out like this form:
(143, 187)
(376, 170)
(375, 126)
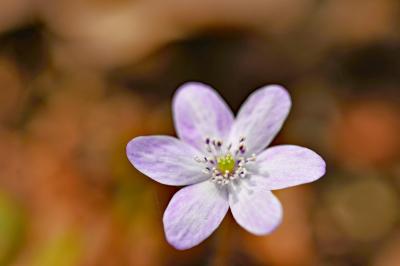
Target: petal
(261, 117)
(289, 165)
(193, 213)
(255, 208)
(165, 159)
(199, 112)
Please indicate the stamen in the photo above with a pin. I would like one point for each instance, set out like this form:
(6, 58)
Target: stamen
(243, 172)
(242, 149)
(229, 146)
(222, 165)
(252, 158)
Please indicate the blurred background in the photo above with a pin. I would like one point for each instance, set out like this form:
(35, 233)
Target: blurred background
(80, 78)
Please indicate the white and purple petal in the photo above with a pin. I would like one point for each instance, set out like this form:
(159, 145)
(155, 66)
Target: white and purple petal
(288, 165)
(166, 160)
(255, 208)
(200, 112)
(261, 117)
(193, 213)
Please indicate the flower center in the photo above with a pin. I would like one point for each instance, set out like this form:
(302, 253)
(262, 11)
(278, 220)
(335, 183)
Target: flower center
(222, 164)
(226, 163)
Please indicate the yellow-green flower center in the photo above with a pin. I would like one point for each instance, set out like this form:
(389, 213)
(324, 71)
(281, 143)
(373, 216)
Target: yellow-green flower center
(226, 163)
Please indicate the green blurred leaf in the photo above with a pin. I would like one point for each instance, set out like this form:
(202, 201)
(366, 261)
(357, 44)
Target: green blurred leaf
(11, 229)
(64, 250)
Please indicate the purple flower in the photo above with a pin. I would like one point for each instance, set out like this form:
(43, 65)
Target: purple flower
(223, 162)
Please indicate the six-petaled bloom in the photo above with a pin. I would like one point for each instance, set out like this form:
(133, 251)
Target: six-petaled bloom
(223, 162)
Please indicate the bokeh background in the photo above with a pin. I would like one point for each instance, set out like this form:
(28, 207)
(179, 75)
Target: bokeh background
(80, 78)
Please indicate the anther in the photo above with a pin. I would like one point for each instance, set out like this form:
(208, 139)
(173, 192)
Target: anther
(242, 149)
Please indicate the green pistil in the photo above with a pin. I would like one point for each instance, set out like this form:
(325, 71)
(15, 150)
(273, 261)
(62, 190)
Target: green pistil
(226, 163)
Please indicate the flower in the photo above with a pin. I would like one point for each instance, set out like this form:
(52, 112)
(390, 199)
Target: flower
(223, 162)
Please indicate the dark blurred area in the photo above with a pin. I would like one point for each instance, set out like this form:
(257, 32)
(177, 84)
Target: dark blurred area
(79, 79)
